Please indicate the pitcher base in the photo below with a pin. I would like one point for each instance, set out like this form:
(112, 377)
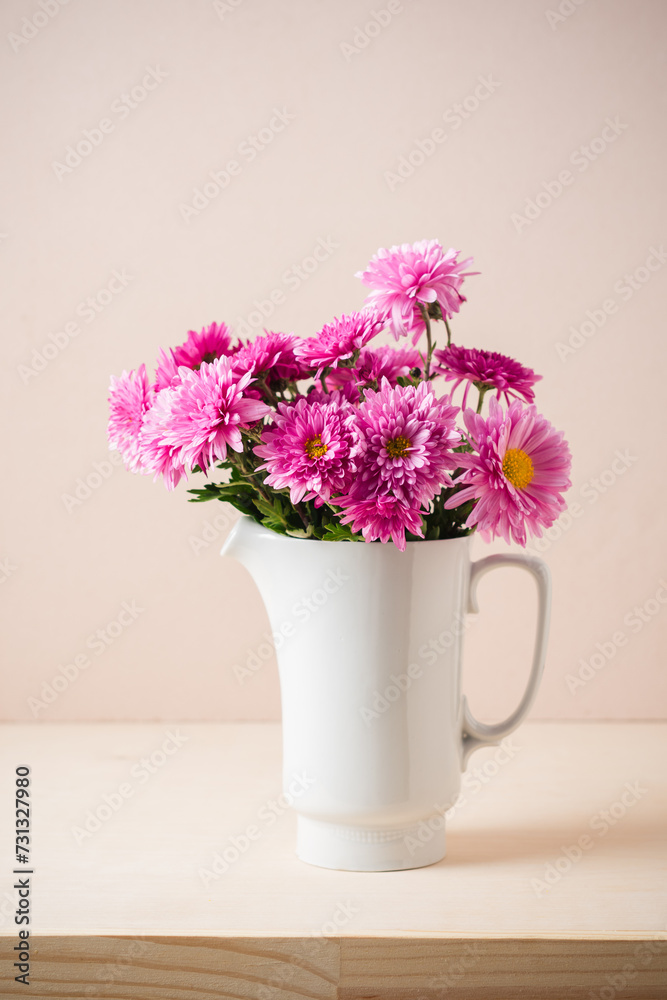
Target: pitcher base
(363, 849)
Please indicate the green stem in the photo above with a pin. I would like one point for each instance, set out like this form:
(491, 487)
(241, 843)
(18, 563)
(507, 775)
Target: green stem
(449, 332)
(273, 399)
(304, 519)
(482, 393)
(251, 475)
(429, 343)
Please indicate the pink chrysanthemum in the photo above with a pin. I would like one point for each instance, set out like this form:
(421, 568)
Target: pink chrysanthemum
(166, 373)
(272, 355)
(204, 415)
(376, 363)
(158, 456)
(211, 343)
(339, 340)
(309, 449)
(347, 392)
(517, 475)
(130, 397)
(383, 517)
(486, 368)
(406, 439)
(405, 276)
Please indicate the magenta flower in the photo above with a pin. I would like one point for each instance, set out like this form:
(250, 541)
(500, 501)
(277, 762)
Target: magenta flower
(383, 517)
(518, 474)
(376, 363)
(214, 341)
(486, 368)
(309, 449)
(273, 355)
(158, 456)
(339, 340)
(405, 276)
(406, 439)
(204, 415)
(130, 398)
(347, 392)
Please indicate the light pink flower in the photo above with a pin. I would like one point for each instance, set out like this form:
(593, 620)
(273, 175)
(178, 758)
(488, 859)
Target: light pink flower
(130, 397)
(487, 368)
(406, 436)
(383, 517)
(166, 373)
(204, 414)
(517, 475)
(309, 449)
(404, 276)
(158, 456)
(273, 355)
(339, 340)
(211, 343)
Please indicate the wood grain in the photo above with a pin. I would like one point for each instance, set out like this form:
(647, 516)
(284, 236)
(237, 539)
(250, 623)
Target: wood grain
(126, 914)
(167, 968)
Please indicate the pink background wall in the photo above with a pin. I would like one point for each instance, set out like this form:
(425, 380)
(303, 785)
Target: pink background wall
(523, 95)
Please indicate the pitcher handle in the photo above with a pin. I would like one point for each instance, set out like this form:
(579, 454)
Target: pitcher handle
(478, 734)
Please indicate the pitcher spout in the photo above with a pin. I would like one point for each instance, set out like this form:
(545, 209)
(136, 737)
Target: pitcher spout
(251, 544)
(263, 555)
(241, 542)
(232, 544)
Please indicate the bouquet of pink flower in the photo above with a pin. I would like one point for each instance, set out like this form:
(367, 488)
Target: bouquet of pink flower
(335, 437)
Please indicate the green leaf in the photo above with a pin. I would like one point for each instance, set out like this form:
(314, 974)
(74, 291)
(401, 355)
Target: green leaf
(223, 491)
(337, 532)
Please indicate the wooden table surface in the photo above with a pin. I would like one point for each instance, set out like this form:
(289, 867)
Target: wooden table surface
(164, 868)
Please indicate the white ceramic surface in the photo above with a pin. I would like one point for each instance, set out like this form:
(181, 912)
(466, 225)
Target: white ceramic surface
(374, 720)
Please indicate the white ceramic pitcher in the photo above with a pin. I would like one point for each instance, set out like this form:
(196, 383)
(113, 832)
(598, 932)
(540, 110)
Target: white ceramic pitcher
(370, 678)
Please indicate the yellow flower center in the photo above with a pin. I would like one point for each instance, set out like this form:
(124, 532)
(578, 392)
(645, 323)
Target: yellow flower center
(398, 447)
(518, 468)
(314, 447)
